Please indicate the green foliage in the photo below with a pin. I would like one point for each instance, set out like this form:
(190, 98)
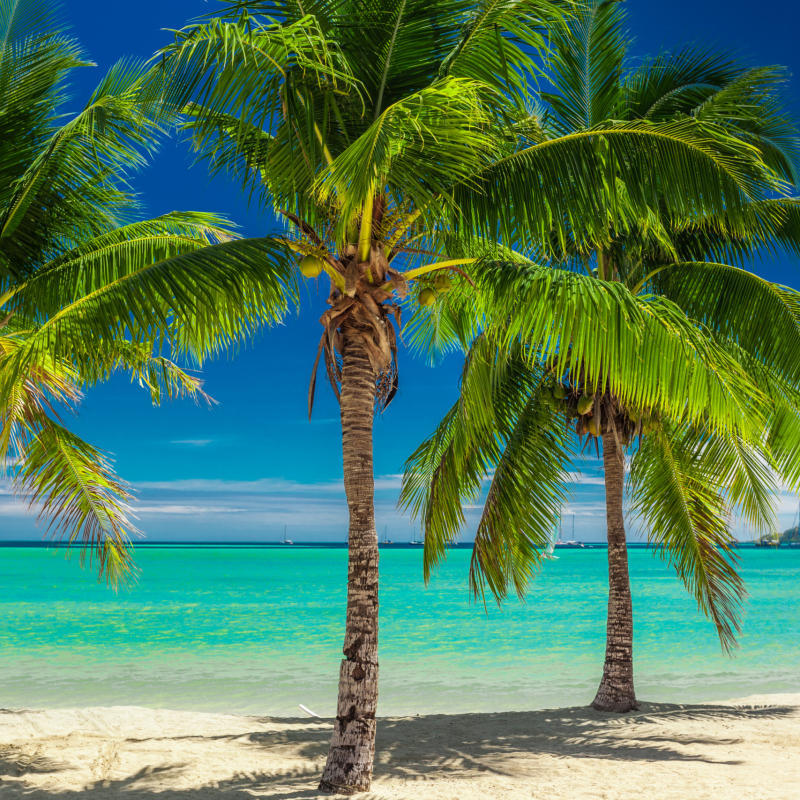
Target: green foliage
(319, 109)
(73, 487)
(662, 315)
(680, 481)
(416, 125)
(645, 348)
(762, 317)
(499, 432)
(86, 289)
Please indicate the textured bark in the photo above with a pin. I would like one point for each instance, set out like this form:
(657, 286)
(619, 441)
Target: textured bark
(349, 766)
(616, 691)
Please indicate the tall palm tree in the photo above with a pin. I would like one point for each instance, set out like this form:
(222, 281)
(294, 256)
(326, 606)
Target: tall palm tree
(395, 140)
(686, 472)
(86, 289)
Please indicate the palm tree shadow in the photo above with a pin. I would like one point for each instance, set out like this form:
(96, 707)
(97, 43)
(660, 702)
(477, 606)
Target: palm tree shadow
(413, 749)
(18, 761)
(432, 746)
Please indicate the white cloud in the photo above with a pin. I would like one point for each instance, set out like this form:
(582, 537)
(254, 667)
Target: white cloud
(13, 508)
(387, 482)
(186, 509)
(585, 480)
(192, 442)
(262, 485)
(584, 510)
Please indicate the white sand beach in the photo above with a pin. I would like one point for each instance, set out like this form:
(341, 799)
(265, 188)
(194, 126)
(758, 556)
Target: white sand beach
(748, 748)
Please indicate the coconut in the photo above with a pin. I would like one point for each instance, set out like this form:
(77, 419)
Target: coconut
(585, 404)
(559, 392)
(427, 297)
(443, 283)
(311, 267)
(591, 426)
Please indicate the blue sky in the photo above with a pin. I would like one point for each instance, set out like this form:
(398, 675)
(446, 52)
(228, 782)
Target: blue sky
(252, 464)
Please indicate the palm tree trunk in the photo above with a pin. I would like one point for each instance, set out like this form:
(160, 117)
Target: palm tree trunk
(616, 691)
(349, 766)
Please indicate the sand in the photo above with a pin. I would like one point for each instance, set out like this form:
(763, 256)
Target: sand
(747, 748)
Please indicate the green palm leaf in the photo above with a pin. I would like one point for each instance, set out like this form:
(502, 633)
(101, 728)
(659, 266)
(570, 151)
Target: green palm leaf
(101, 260)
(675, 488)
(586, 65)
(502, 431)
(197, 302)
(762, 317)
(563, 183)
(650, 353)
(74, 489)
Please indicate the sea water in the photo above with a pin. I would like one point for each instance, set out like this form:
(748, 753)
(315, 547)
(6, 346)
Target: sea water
(259, 630)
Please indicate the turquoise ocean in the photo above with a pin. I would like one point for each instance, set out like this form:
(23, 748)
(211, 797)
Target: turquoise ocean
(259, 630)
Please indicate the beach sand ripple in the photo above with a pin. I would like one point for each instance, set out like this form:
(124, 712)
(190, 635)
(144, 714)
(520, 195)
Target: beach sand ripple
(742, 749)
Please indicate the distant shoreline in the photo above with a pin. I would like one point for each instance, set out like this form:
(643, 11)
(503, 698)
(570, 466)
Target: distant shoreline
(299, 544)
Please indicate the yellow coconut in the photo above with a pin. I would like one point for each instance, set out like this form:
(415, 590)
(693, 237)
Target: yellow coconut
(311, 266)
(427, 297)
(585, 404)
(443, 283)
(591, 426)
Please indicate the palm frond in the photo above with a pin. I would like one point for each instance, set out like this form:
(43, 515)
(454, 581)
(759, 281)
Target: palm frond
(93, 150)
(585, 65)
(76, 491)
(645, 349)
(197, 302)
(762, 317)
(502, 432)
(417, 147)
(677, 492)
(679, 81)
(102, 260)
(567, 187)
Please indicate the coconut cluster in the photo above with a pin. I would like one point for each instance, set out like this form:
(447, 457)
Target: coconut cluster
(312, 267)
(442, 283)
(594, 413)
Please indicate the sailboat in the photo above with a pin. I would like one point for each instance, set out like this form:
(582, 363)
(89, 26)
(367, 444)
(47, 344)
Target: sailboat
(414, 538)
(551, 546)
(285, 540)
(386, 539)
(572, 542)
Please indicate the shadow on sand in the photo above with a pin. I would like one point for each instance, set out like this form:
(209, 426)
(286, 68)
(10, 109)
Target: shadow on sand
(409, 749)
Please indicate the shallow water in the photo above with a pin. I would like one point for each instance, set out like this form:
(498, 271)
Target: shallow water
(260, 630)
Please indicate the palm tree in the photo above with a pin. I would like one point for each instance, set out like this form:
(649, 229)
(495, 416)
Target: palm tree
(686, 472)
(394, 139)
(86, 289)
